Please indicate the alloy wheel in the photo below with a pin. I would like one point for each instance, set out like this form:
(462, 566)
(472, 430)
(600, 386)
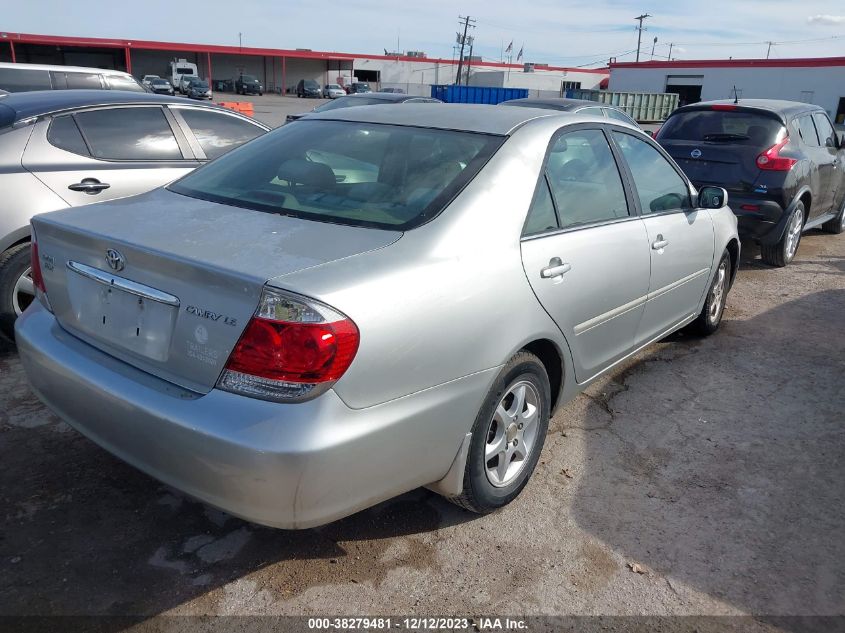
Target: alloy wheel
(793, 233)
(717, 293)
(23, 293)
(512, 433)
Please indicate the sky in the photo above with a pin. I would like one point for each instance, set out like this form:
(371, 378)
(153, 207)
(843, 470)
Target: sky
(563, 33)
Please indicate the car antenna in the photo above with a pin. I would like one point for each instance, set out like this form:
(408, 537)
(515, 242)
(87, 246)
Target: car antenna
(736, 95)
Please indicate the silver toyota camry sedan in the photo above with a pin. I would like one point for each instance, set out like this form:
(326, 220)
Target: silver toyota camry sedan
(368, 301)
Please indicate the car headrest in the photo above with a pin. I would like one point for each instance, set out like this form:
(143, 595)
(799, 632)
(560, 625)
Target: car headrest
(305, 172)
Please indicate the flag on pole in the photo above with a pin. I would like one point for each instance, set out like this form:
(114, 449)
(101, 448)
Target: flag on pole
(519, 54)
(510, 47)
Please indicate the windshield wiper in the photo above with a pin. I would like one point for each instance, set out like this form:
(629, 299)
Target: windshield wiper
(726, 137)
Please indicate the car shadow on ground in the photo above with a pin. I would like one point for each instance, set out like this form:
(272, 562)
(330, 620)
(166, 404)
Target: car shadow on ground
(745, 502)
(86, 534)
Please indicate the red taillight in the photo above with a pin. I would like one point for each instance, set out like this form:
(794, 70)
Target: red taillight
(749, 207)
(293, 349)
(295, 352)
(724, 107)
(37, 277)
(771, 160)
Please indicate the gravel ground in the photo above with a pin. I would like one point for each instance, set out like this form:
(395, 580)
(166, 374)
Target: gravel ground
(704, 477)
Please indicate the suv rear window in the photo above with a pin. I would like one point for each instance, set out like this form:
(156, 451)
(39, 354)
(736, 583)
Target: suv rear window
(718, 126)
(24, 79)
(361, 174)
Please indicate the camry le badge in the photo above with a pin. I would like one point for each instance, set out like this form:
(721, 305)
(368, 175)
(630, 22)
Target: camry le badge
(696, 153)
(115, 260)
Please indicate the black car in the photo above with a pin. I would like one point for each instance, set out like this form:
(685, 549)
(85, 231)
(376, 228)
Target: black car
(359, 87)
(582, 106)
(370, 98)
(248, 85)
(308, 88)
(160, 87)
(780, 161)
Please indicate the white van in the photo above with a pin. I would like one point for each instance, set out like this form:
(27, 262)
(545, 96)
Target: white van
(179, 67)
(29, 77)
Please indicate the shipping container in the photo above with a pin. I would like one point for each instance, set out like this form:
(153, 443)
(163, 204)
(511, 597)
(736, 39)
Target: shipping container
(476, 94)
(644, 107)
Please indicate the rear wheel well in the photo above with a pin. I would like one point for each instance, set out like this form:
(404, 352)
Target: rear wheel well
(23, 240)
(807, 199)
(549, 355)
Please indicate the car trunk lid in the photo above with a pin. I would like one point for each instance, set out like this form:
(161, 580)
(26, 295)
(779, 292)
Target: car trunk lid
(167, 283)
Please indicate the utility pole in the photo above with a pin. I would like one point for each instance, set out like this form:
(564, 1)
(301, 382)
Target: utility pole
(671, 44)
(469, 60)
(769, 50)
(462, 40)
(652, 48)
(640, 18)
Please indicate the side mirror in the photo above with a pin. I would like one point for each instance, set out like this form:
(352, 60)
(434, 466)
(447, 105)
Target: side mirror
(712, 198)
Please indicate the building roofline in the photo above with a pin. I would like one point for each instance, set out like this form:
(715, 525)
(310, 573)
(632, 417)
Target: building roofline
(182, 47)
(805, 62)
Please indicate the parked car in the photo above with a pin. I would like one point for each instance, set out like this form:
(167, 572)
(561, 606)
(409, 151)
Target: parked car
(333, 91)
(147, 80)
(359, 87)
(780, 161)
(308, 88)
(396, 90)
(185, 81)
(581, 106)
(74, 147)
(248, 85)
(28, 77)
(372, 98)
(368, 301)
(161, 87)
(199, 89)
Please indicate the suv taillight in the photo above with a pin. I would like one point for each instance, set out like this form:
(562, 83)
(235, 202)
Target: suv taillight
(293, 348)
(771, 160)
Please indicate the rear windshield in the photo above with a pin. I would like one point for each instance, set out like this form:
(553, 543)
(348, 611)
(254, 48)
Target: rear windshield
(185, 71)
(361, 174)
(717, 126)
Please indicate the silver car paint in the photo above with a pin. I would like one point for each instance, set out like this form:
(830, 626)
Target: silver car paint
(439, 310)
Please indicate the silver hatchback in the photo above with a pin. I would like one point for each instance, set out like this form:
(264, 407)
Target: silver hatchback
(370, 300)
(74, 147)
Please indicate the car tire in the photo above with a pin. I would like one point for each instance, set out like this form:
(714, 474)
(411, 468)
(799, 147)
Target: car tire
(783, 252)
(519, 429)
(15, 265)
(710, 317)
(837, 224)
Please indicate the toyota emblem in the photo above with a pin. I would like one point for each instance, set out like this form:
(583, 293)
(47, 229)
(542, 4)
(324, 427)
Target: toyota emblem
(115, 260)
(696, 153)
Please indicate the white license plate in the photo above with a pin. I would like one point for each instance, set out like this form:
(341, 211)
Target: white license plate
(122, 319)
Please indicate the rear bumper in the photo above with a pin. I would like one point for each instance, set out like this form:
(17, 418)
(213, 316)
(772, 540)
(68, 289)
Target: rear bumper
(288, 466)
(764, 225)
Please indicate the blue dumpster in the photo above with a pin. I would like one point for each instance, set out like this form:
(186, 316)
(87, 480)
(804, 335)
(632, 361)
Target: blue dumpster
(476, 94)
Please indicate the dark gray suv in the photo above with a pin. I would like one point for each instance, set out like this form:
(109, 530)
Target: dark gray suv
(780, 161)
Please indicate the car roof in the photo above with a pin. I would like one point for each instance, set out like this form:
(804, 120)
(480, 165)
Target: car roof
(86, 69)
(566, 105)
(783, 109)
(24, 105)
(465, 117)
(384, 96)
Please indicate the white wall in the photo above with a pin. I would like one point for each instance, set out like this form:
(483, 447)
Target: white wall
(539, 83)
(827, 84)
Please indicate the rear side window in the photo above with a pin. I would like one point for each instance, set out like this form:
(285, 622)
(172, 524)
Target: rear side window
(24, 79)
(827, 137)
(123, 83)
(659, 187)
(64, 134)
(218, 133)
(129, 134)
(584, 179)
(362, 174)
(807, 130)
(541, 215)
(719, 126)
(83, 81)
(619, 116)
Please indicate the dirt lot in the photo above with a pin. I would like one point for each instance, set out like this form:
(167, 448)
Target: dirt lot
(715, 466)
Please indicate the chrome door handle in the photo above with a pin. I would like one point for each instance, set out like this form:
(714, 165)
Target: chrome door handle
(659, 243)
(556, 268)
(91, 186)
